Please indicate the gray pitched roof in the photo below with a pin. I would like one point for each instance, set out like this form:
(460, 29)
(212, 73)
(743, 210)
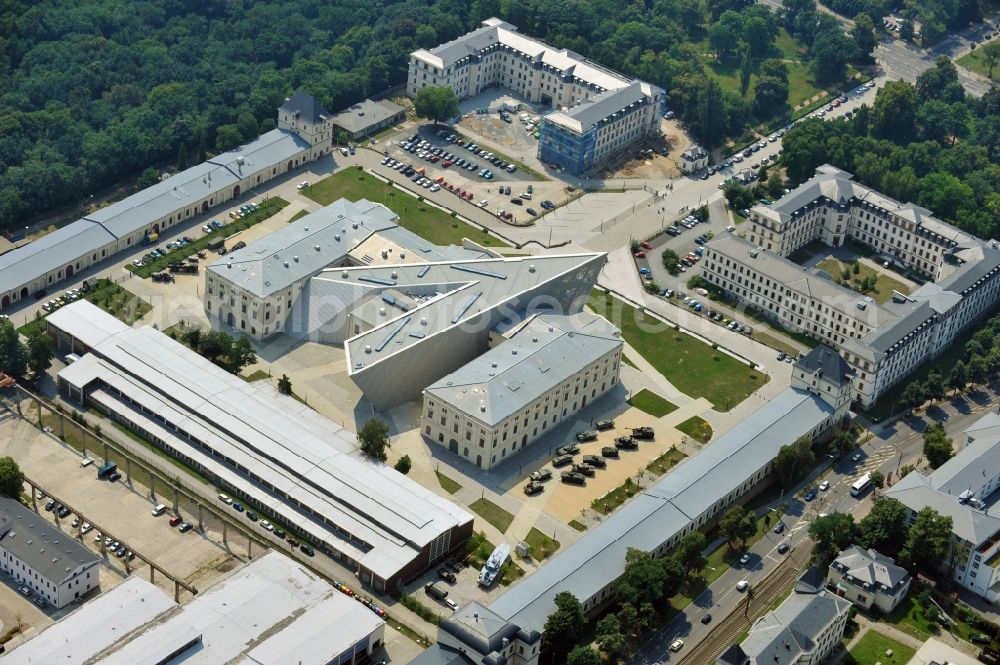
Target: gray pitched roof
(306, 107)
(827, 363)
(364, 114)
(782, 636)
(54, 555)
(583, 116)
(543, 354)
(50, 252)
(869, 567)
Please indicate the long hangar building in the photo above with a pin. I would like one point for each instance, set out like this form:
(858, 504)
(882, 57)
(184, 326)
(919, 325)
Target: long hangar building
(282, 458)
(304, 134)
(596, 111)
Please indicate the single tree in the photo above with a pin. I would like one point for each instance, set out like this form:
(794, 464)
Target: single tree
(934, 385)
(775, 185)
(583, 655)
(13, 353)
(147, 178)
(564, 625)
(928, 542)
(958, 378)
(285, 385)
(831, 533)
(436, 103)
(215, 345)
(978, 370)
(182, 157)
(374, 439)
(670, 261)
(864, 37)
(913, 395)
(39, 353)
(628, 617)
(403, 464)
(746, 71)
(737, 525)
(241, 355)
(938, 447)
(11, 478)
(690, 551)
(884, 527)
(648, 618)
(711, 115)
(990, 52)
(878, 479)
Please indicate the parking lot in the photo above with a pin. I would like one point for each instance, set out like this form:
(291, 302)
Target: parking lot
(442, 159)
(121, 511)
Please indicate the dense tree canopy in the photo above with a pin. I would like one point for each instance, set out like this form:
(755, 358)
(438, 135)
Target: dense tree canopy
(926, 143)
(98, 90)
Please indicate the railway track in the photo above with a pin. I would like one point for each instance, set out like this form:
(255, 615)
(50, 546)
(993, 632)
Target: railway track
(764, 594)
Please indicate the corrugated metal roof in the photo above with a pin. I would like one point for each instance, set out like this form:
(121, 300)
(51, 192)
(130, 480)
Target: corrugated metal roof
(94, 626)
(22, 266)
(273, 605)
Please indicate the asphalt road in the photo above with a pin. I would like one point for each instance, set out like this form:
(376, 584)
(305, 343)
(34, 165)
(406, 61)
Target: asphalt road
(890, 447)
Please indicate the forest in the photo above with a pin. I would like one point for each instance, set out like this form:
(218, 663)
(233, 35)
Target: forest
(95, 91)
(927, 143)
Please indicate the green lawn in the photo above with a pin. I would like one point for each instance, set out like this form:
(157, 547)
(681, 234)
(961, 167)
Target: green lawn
(300, 214)
(727, 70)
(579, 526)
(976, 63)
(432, 224)
(616, 497)
(449, 485)
(257, 375)
(697, 428)
(911, 617)
(112, 298)
(666, 461)
(775, 343)
(694, 367)
(542, 547)
(872, 648)
(492, 513)
(264, 210)
(651, 403)
(884, 284)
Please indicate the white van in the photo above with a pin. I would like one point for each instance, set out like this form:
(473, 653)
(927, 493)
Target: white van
(159, 510)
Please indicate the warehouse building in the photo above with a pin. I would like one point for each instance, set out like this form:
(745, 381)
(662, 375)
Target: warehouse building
(884, 342)
(303, 134)
(276, 454)
(48, 561)
(596, 112)
(367, 117)
(273, 610)
(539, 374)
(965, 489)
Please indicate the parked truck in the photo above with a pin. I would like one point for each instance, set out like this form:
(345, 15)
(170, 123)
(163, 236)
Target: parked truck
(435, 590)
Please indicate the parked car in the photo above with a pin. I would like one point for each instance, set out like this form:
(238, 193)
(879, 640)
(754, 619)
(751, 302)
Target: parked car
(783, 547)
(308, 551)
(175, 520)
(742, 585)
(707, 618)
(810, 495)
(779, 527)
(745, 559)
(446, 575)
(676, 645)
(824, 486)
(185, 527)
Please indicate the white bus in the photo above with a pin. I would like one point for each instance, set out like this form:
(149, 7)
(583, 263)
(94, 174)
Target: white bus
(861, 485)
